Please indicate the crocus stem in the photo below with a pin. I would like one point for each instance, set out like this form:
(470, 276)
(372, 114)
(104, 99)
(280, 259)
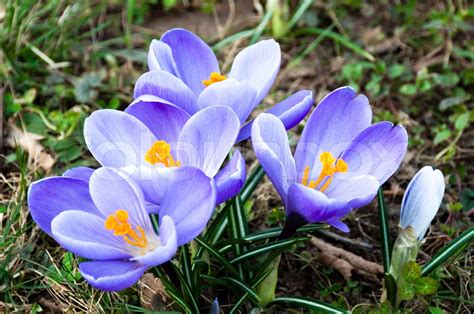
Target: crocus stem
(293, 222)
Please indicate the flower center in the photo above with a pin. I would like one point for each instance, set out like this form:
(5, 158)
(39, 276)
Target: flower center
(118, 222)
(330, 167)
(214, 78)
(160, 152)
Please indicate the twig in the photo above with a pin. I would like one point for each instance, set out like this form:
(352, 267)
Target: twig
(334, 236)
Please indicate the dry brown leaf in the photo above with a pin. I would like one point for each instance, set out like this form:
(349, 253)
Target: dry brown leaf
(30, 142)
(153, 293)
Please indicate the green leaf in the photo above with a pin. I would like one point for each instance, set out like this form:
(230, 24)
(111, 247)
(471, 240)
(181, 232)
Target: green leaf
(435, 310)
(426, 286)
(390, 285)
(411, 271)
(249, 186)
(266, 289)
(447, 80)
(308, 303)
(406, 291)
(449, 250)
(462, 121)
(221, 258)
(269, 247)
(397, 70)
(408, 89)
(453, 101)
(384, 231)
(442, 136)
(238, 227)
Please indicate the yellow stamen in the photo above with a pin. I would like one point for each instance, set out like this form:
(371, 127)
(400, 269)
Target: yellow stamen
(160, 152)
(118, 222)
(214, 78)
(331, 166)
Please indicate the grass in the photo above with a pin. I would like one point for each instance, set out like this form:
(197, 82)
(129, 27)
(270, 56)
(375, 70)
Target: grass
(62, 60)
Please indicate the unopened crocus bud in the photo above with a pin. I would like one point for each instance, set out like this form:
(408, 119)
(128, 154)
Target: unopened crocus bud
(419, 206)
(404, 250)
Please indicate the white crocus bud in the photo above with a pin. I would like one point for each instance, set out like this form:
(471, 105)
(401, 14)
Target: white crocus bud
(422, 200)
(419, 206)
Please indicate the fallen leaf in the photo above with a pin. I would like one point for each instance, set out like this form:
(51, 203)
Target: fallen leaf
(30, 142)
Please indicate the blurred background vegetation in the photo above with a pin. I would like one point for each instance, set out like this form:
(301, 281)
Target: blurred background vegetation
(61, 60)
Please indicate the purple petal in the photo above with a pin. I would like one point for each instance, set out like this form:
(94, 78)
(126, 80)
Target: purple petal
(239, 96)
(117, 139)
(335, 122)
(167, 248)
(168, 87)
(259, 64)
(84, 234)
(270, 143)
(194, 59)
(163, 119)
(112, 190)
(357, 191)
(421, 200)
(82, 173)
(48, 197)
(290, 111)
(111, 275)
(160, 57)
(207, 138)
(377, 151)
(338, 224)
(230, 179)
(185, 194)
(314, 206)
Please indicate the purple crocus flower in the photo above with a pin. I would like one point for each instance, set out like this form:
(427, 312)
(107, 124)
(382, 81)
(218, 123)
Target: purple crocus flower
(102, 217)
(184, 71)
(339, 163)
(153, 137)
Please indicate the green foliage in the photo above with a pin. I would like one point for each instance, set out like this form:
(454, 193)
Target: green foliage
(411, 283)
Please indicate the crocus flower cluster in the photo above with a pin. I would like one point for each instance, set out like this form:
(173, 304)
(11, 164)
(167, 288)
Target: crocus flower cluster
(164, 155)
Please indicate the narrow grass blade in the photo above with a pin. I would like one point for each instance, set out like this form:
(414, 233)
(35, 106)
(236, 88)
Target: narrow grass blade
(275, 232)
(185, 262)
(233, 38)
(304, 5)
(449, 250)
(226, 281)
(187, 290)
(384, 232)
(238, 228)
(258, 280)
(346, 42)
(315, 305)
(309, 48)
(221, 258)
(251, 184)
(261, 27)
(391, 289)
(269, 247)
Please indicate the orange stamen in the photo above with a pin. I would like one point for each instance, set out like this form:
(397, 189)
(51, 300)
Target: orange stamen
(160, 152)
(330, 167)
(214, 78)
(118, 222)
